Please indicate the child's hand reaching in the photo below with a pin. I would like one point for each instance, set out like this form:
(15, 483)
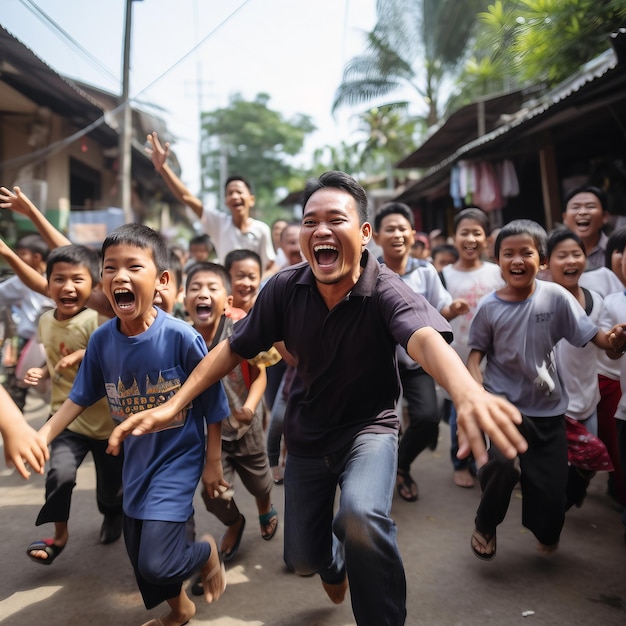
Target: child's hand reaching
(15, 201)
(243, 415)
(34, 376)
(213, 478)
(23, 447)
(69, 358)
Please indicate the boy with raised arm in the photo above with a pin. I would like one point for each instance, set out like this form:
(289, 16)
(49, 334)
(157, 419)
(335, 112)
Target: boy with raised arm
(137, 360)
(234, 230)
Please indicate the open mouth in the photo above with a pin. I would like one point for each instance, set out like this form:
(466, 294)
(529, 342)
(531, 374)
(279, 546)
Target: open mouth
(325, 255)
(69, 301)
(124, 298)
(571, 272)
(203, 311)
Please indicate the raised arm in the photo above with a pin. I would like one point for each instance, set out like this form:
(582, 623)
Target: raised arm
(19, 202)
(477, 409)
(28, 275)
(213, 367)
(158, 153)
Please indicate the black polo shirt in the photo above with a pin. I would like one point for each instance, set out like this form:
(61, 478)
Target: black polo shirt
(347, 379)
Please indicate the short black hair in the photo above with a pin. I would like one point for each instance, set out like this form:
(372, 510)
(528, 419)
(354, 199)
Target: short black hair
(472, 213)
(140, 236)
(203, 240)
(241, 255)
(338, 180)
(616, 241)
(523, 227)
(444, 247)
(393, 208)
(75, 255)
(237, 177)
(596, 191)
(562, 234)
(213, 268)
(35, 244)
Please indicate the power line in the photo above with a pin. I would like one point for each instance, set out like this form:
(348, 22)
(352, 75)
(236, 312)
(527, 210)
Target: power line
(43, 17)
(193, 49)
(55, 147)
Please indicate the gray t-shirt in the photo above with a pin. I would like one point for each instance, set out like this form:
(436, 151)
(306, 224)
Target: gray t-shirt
(518, 339)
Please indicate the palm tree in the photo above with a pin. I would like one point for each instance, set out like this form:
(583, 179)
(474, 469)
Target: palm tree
(416, 44)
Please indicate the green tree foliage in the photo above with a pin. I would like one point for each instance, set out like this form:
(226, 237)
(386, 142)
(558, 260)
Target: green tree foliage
(417, 44)
(250, 139)
(531, 41)
(384, 136)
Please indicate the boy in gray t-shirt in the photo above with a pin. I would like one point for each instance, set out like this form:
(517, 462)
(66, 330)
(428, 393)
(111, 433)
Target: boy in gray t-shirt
(517, 328)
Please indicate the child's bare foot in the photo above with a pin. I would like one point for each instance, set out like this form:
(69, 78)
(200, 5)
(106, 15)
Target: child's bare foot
(463, 478)
(336, 592)
(547, 549)
(213, 573)
(183, 609)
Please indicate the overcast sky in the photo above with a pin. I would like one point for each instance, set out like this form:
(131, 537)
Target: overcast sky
(294, 50)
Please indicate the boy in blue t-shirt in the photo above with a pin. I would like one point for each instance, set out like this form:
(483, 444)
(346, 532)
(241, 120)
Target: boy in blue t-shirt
(137, 360)
(517, 328)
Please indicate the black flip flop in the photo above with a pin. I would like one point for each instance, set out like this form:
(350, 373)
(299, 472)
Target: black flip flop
(229, 556)
(47, 546)
(407, 485)
(484, 541)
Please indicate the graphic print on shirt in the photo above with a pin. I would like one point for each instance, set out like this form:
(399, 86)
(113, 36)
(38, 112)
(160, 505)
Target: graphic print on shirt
(126, 400)
(546, 373)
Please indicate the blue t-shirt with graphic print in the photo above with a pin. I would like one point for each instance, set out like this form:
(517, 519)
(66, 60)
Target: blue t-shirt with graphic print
(161, 470)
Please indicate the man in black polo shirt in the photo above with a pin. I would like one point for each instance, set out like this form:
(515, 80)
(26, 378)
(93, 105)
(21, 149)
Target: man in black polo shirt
(340, 316)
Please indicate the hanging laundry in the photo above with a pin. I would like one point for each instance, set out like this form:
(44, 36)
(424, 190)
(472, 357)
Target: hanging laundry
(509, 184)
(488, 196)
(468, 180)
(455, 187)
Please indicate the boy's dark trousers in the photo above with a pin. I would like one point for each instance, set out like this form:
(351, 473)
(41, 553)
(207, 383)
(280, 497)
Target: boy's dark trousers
(67, 452)
(542, 472)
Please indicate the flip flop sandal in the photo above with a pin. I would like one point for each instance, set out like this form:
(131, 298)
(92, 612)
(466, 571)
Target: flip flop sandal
(47, 546)
(265, 520)
(406, 486)
(485, 541)
(229, 556)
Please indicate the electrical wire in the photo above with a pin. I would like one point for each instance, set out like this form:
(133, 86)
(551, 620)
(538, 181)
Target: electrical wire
(43, 17)
(43, 153)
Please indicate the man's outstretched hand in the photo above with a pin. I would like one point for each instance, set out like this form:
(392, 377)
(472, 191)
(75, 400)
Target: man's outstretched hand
(142, 423)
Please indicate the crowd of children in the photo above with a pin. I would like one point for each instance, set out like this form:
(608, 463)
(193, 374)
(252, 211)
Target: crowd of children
(551, 346)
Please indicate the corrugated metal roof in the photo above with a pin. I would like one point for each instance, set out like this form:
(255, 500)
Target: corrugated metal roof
(528, 119)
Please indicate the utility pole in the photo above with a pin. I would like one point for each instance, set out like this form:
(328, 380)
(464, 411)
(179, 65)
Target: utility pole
(125, 170)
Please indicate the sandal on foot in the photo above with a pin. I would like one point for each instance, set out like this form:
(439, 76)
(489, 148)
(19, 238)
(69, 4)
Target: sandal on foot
(485, 542)
(47, 546)
(407, 487)
(266, 521)
(196, 586)
(229, 556)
